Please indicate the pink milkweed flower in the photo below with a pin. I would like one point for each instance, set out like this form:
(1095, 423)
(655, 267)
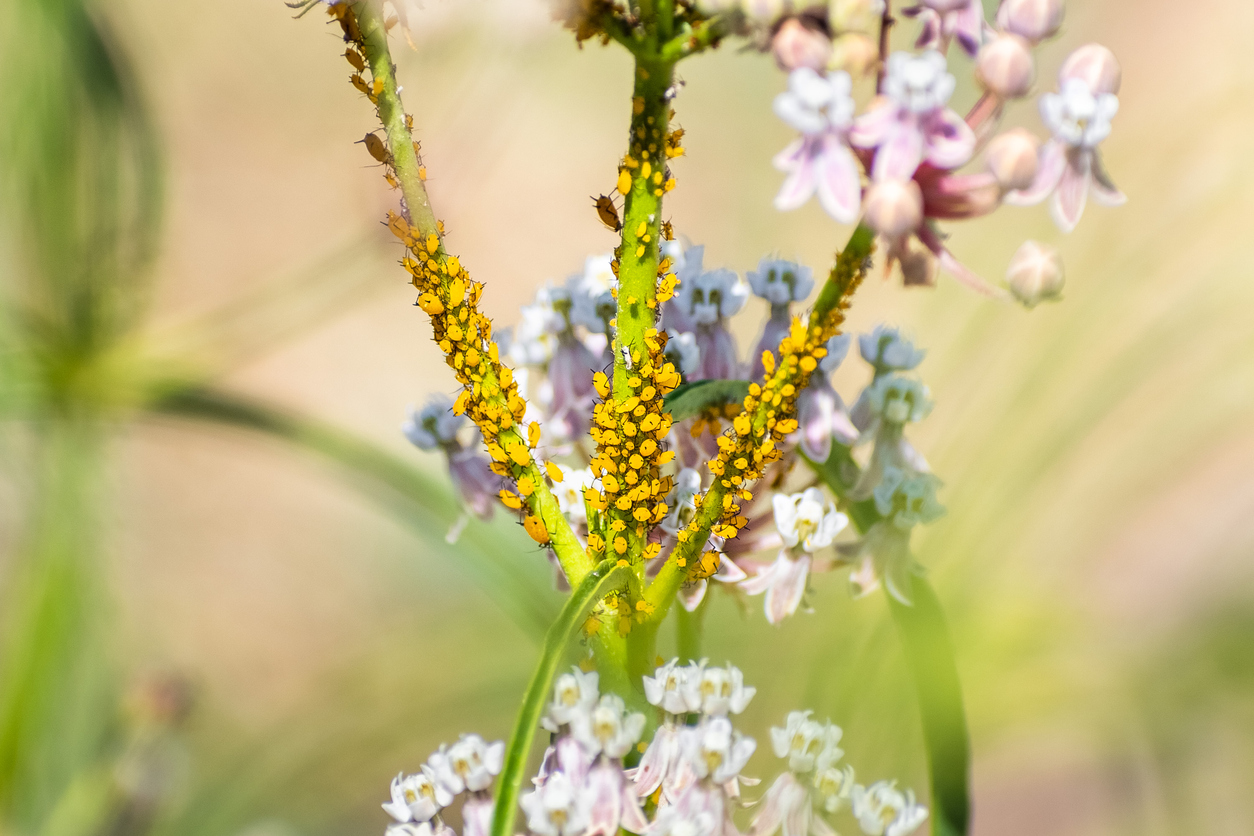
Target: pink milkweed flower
(691, 596)
(611, 801)
(945, 20)
(1070, 165)
(821, 414)
(822, 108)
(910, 124)
(477, 815)
(435, 427)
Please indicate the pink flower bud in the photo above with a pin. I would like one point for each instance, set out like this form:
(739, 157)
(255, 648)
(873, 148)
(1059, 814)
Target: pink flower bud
(1035, 274)
(1005, 68)
(1011, 158)
(894, 207)
(1034, 20)
(1096, 66)
(796, 45)
(855, 53)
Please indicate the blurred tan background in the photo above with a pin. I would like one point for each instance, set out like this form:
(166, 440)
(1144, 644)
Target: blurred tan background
(1097, 561)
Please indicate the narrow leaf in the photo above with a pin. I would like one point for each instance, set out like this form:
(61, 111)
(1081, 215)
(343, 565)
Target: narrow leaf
(691, 399)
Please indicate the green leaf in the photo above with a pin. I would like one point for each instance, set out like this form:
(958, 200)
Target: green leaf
(592, 588)
(691, 399)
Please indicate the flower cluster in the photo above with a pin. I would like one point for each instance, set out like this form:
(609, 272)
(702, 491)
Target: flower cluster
(468, 768)
(896, 164)
(687, 781)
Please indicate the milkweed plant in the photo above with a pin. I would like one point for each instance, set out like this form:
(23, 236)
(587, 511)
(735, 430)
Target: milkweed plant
(658, 465)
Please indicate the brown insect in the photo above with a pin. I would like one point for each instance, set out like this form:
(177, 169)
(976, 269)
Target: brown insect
(354, 58)
(376, 148)
(607, 212)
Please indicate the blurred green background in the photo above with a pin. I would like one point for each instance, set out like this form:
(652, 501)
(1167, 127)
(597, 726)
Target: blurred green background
(227, 606)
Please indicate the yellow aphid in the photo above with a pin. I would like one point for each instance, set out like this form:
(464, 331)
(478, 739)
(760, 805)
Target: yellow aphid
(354, 58)
(535, 528)
(422, 173)
(360, 83)
(607, 212)
(554, 472)
(533, 434)
(768, 362)
(742, 424)
(429, 303)
(646, 169)
(808, 364)
(519, 454)
(620, 545)
(510, 500)
(602, 384)
(666, 457)
(377, 87)
(525, 486)
(624, 181)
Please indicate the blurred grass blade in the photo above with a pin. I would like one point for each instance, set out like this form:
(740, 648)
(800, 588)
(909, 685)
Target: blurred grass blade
(418, 499)
(930, 657)
(593, 587)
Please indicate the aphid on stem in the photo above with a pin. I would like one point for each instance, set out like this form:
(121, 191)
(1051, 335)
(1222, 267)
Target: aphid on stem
(376, 148)
(607, 212)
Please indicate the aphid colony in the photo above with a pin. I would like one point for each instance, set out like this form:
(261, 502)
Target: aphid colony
(759, 430)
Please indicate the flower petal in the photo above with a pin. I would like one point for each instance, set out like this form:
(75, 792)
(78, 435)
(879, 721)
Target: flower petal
(900, 153)
(1105, 191)
(1053, 161)
(791, 156)
(1073, 188)
(949, 139)
(787, 590)
(799, 185)
(839, 183)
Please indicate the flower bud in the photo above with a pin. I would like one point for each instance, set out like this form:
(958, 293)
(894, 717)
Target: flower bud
(894, 207)
(796, 45)
(855, 15)
(855, 53)
(1096, 66)
(1034, 20)
(1035, 274)
(1012, 158)
(1005, 68)
(762, 11)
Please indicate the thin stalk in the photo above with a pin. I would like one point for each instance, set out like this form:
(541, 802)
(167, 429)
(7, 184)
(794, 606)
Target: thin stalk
(929, 654)
(594, 586)
(690, 631)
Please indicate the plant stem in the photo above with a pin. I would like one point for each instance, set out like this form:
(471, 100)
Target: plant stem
(594, 586)
(929, 654)
(690, 630)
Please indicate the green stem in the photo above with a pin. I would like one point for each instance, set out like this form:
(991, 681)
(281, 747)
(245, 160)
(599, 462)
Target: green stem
(690, 629)
(594, 586)
(929, 654)
(392, 113)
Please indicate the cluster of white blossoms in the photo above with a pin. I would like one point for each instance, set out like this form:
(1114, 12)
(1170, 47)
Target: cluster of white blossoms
(467, 768)
(687, 782)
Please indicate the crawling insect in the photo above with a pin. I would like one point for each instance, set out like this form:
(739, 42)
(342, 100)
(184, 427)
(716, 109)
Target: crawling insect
(376, 148)
(607, 212)
(626, 351)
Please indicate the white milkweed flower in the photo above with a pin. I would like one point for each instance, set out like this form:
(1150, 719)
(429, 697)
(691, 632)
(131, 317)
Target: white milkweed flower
(470, 764)
(419, 828)
(672, 688)
(555, 809)
(1078, 116)
(887, 350)
(435, 425)
(907, 499)
(821, 108)
(808, 519)
(682, 351)
(912, 125)
(883, 810)
(780, 281)
(723, 690)
(574, 694)
(806, 743)
(587, 290)
(533, 341)
(897, 399)
(608, 728)
(682, 500)
(712, 295)
(569, 492)
(417, 797)
(715, 751)
(834, 786)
